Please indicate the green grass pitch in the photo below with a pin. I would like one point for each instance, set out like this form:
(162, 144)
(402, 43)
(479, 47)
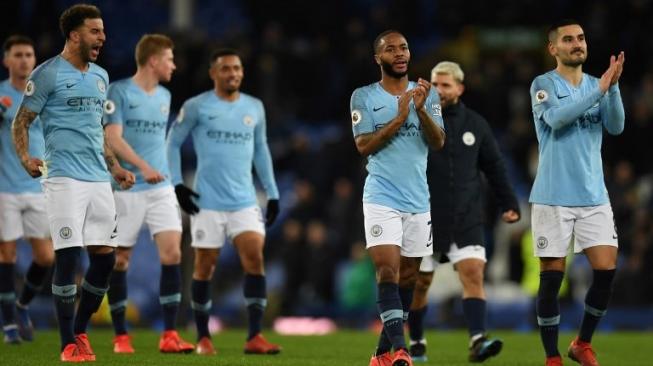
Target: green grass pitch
(342, 348)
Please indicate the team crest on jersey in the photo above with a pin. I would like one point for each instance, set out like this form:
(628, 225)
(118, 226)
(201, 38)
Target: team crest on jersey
(30, 88)
(541, 96)
(248, 120)
(200, 234)
(542, 242)
(101, 86)
(356, 117)
(164, 109)
(109, 107)
(180, 116)
(468, 138)
(65, 232)
(376, 230)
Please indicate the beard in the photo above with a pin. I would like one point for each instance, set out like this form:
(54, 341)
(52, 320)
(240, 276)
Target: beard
(387, 68)
(85, 52)
(574, 62)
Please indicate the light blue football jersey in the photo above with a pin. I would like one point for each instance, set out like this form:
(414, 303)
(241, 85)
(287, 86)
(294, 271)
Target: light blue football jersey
(144, 118)
(229, 137)
(13, 177)
(397, 172)
(569, 122)
(70, 103)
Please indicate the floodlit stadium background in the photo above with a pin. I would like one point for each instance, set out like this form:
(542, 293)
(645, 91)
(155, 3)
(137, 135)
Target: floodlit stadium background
(303, 59)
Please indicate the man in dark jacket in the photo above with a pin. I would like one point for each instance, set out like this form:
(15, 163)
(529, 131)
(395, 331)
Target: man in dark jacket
(456, 210)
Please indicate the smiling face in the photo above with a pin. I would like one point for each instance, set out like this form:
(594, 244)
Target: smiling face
(567, 44)
(227, 73)
(393, 55)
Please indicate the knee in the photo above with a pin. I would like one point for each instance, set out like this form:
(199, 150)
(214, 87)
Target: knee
(122, 263)
(472, 276)
(423, 282)
(171, 256)
(45, 259)
(386, 273)
(253, 263)
(203, 270)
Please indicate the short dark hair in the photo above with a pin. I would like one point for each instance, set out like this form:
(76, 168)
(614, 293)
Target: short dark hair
(552, 32)
(151, 44)
(16, 39)
(74, 16)
(222, 52)
(379, 38)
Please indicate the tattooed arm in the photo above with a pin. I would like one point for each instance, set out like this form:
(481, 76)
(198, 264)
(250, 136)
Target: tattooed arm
(123, 177)
(20, 135)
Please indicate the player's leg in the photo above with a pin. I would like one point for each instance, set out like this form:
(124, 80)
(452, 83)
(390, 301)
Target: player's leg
(99, 226)
(11, 229)
(35, 222)
(418, 309)
(596, 235)
(208, 236)
(383, 236)
(552, 229)
(130, 212)
(66, 204)
(470, 269)
(247, 231)
(163, 217)
(8, 292)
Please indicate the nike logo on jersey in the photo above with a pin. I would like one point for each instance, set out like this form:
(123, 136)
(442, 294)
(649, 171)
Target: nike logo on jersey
(67, 290)
(211, 118)
(70, 85)
(132, 106)
(429, 244)
(614, 236)
(376, 109)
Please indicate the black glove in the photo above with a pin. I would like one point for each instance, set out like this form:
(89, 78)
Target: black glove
(272, 212)
(184, 195)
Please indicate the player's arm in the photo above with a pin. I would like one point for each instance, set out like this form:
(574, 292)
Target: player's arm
(612, 107)
(427, 105)
(122, 176)
(186, 121)
(20, 134)
(368, 140)
(492, 165)
(264, 169)
(547, 108)
(124, 151)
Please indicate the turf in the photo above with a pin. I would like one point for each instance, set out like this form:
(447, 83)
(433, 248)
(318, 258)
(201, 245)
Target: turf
(341, 348)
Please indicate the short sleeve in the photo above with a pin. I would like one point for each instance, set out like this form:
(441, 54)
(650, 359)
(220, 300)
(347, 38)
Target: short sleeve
(361, 118)
(40, 85)
(543, 96)
(113, 111)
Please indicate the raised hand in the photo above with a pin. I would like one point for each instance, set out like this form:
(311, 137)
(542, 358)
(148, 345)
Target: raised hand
(606, 78)
(619, 68)
(421, 93)
(404, 103)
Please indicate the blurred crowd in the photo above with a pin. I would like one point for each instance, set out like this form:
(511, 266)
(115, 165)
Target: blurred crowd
(303, 59)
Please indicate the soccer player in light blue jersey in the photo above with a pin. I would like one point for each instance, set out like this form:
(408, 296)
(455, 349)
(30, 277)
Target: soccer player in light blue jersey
(395, 121)
(68, 93)
(22, 203)
(135, 120)
(229, 135)
(570, 110)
